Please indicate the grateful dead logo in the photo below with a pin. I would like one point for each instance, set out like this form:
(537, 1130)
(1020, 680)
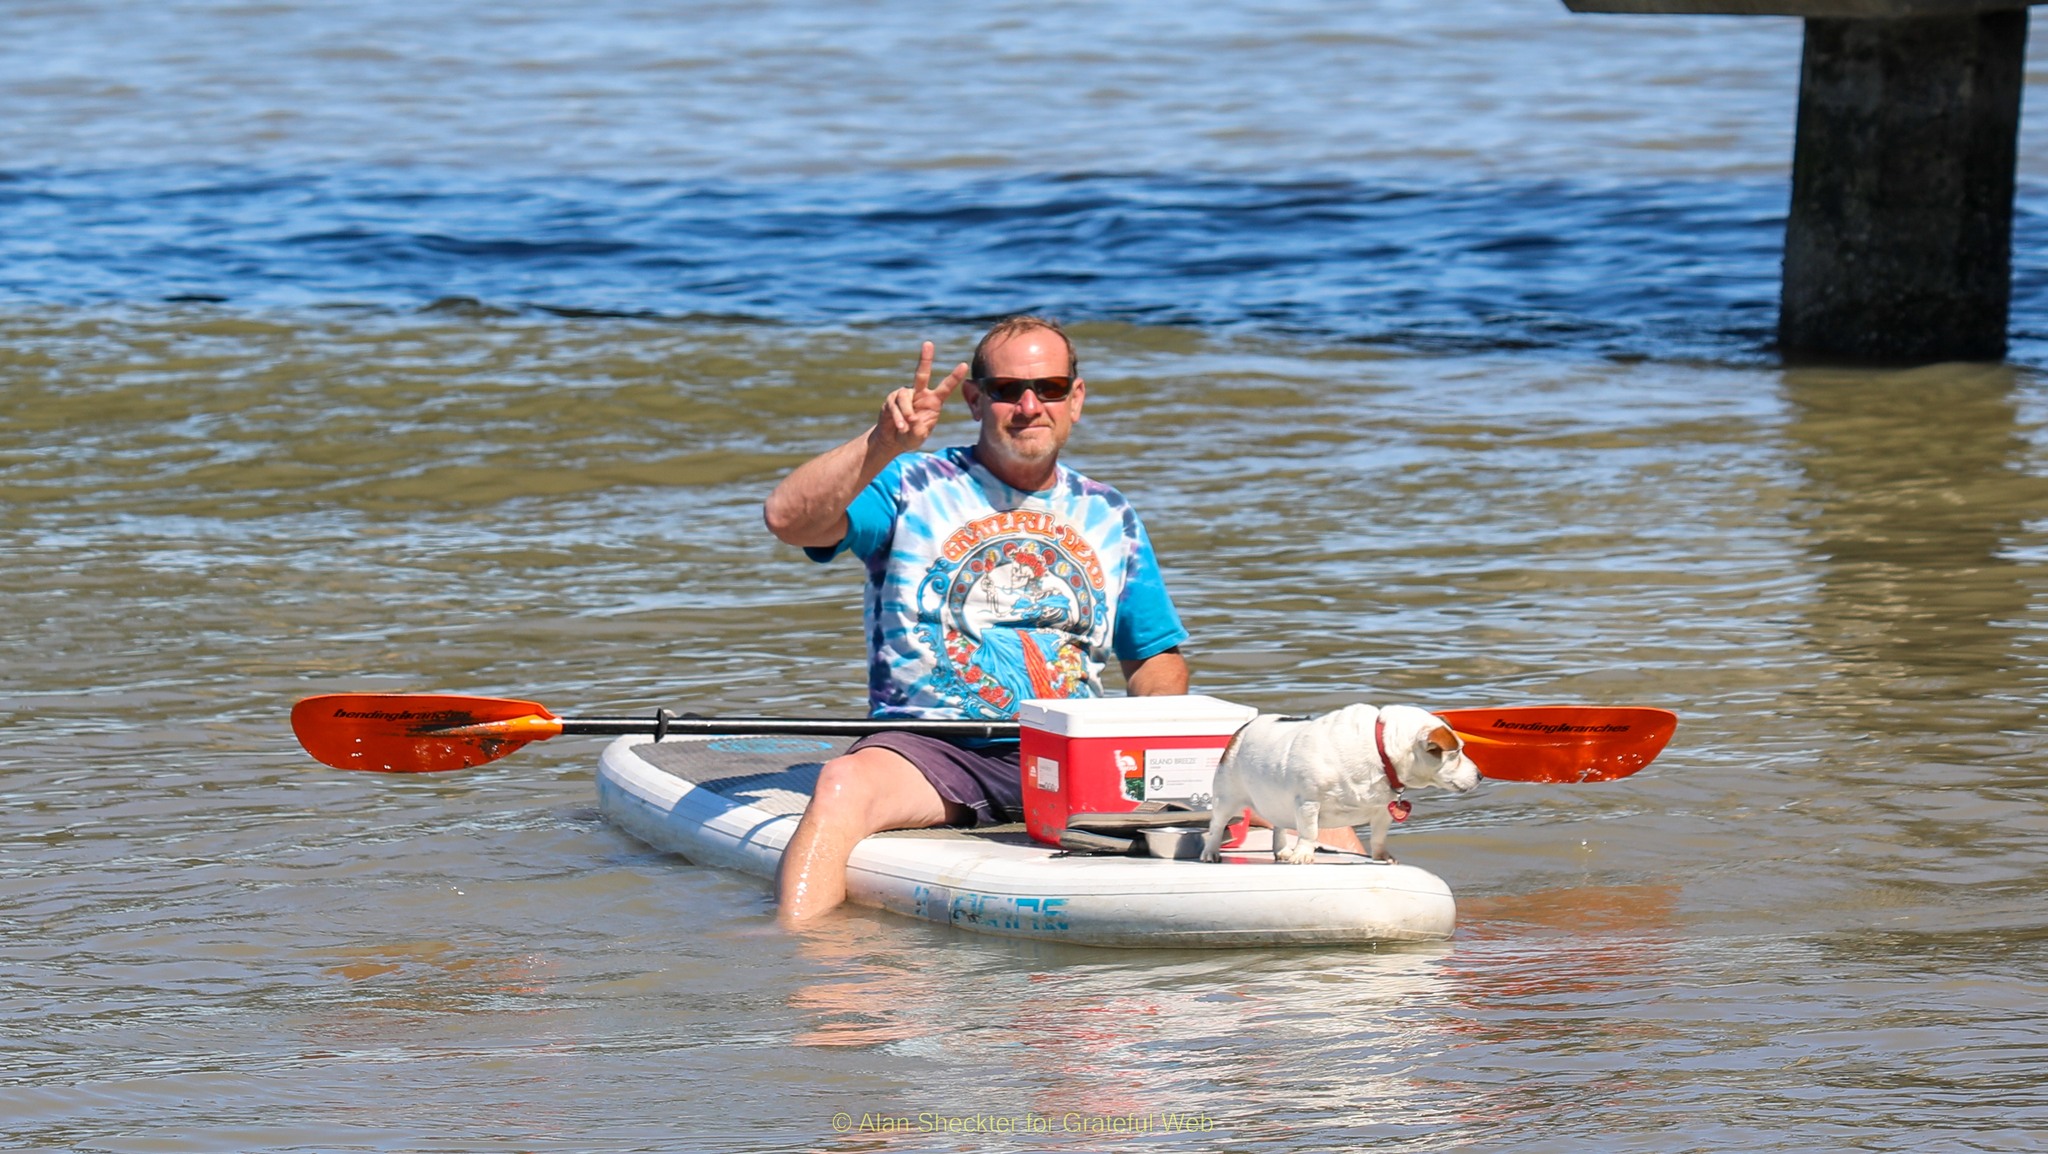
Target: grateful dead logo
(1014, 616)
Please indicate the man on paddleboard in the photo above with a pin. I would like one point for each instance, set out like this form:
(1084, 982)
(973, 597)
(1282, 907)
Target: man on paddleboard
(994, 575)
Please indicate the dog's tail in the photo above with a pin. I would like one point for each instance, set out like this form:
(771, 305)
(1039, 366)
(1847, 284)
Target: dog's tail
(1231, 749)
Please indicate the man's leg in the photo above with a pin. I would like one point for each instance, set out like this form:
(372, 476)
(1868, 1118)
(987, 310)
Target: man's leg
(864, 792)
(1343, 837)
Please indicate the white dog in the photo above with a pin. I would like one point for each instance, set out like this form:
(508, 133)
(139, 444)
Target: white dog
(1342, 769)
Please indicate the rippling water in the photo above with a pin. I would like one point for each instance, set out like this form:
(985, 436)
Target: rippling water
(1505, 176)
(1645, 269)
(1432, 345)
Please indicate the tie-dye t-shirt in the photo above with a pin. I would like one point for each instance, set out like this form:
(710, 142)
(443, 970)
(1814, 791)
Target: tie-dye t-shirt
(980, 596)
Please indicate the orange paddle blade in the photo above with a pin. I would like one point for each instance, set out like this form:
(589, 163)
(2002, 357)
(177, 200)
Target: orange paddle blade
(1561, 743)
(416, 732)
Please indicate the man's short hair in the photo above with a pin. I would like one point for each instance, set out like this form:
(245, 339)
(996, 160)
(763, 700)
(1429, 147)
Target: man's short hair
(1022, 323)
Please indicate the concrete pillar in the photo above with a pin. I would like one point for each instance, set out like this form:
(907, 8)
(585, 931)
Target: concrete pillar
(1899, 243)
(1898, 246)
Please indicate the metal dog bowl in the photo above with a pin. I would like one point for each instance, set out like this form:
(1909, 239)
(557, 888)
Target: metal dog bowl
(1175, 841)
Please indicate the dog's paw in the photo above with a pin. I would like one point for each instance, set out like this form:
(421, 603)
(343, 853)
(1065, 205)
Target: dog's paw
(1300, 853)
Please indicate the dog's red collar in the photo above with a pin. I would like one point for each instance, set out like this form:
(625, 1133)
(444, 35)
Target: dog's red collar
(1399, 807)
(1379, 738)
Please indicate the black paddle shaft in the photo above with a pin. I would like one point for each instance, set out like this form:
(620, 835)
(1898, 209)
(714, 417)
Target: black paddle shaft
(664, 723)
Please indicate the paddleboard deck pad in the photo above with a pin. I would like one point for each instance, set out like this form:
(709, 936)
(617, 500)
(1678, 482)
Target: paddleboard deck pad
(732, 802)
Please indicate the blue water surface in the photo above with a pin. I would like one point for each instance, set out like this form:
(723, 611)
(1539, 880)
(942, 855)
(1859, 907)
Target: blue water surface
(1668, 269)
(1498, 174)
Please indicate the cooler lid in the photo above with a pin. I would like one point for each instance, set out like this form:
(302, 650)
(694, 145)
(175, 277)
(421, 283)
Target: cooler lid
(1191, 715)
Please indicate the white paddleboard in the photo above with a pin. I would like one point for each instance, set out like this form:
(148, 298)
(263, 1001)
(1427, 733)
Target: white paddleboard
(732, 802)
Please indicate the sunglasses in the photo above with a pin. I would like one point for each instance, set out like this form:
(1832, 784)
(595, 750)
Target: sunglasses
(1010, 390)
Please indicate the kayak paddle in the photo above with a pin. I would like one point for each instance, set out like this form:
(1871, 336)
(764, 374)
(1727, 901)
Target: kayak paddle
(1561, 743)
(429, 732)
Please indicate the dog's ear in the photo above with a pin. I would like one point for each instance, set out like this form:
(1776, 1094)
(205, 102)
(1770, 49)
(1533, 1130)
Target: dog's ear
(1441, 739)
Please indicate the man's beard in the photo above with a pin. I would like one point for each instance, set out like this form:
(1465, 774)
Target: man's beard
(1009, 449)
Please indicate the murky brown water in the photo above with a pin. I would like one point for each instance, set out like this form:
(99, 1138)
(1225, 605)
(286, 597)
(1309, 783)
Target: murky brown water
(376, 461)
(1814, 922)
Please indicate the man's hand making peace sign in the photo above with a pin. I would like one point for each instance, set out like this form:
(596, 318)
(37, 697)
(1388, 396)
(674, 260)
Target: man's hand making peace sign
(910, 414)
(809, 506)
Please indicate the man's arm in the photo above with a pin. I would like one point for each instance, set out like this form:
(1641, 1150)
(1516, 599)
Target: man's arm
(1164, 674)
(809, 507)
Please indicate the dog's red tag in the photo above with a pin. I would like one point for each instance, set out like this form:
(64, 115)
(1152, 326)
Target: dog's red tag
(1400, 808)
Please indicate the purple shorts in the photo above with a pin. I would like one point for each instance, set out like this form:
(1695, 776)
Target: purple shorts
(990, 784)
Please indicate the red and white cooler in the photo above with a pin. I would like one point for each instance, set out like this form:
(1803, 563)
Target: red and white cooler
(1108, 754)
